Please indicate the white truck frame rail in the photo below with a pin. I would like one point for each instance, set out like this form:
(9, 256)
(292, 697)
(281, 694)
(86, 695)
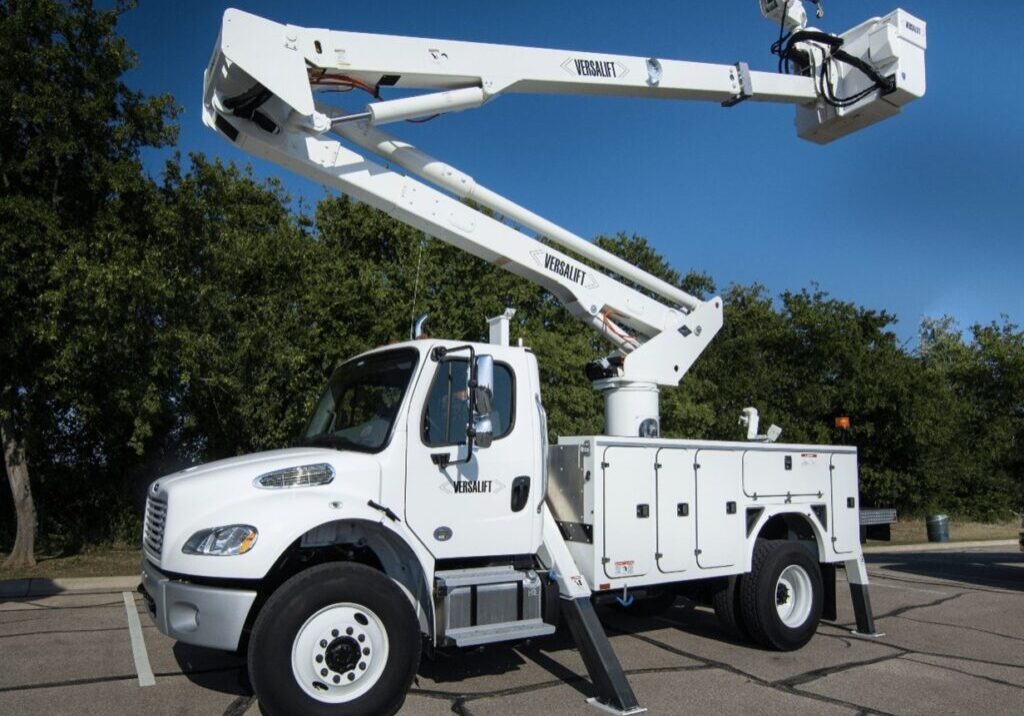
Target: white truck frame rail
(322, 572)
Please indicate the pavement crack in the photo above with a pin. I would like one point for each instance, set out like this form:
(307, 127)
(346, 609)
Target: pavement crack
(239, 706)
(68, 682)
(200, 672)
(459, 707)
(991, 679)
(959, 657)
(967, 628)
(51, 607)
(461, 699)
(912, 607)
(815, 674)
(780, 686)
(66, 631)
(949, 584)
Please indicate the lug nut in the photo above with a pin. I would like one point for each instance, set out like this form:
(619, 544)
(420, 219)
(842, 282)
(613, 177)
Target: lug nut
(334, 632)
(319, 658)
(337, 679)
(362, 637)
(362, 666)
(349, 631)
(366, 651)
(323, 643)
(351, 676)
(323, 672)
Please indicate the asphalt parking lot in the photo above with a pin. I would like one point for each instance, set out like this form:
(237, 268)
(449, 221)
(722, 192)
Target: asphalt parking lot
(954, 643)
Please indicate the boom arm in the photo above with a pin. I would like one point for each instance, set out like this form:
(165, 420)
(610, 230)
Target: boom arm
(258, 91)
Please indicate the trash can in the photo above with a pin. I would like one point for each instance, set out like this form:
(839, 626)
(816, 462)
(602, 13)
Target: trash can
(938, 528)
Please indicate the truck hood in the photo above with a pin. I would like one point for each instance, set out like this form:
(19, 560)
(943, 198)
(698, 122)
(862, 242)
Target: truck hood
(245, 468)
(223, 493)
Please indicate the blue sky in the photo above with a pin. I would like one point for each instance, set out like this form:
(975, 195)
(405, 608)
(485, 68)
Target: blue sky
(919, 215)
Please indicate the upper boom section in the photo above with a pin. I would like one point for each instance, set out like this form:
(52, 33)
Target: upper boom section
(840, 84)
(259, 92)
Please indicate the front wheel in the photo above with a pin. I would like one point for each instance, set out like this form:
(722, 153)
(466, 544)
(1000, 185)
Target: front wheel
(781, 598)
(335, 639)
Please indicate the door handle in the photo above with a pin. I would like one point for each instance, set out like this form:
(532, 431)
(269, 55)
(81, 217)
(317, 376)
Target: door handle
(520, 492)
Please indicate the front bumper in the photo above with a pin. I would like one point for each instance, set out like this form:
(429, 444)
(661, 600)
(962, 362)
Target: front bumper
(205, 616)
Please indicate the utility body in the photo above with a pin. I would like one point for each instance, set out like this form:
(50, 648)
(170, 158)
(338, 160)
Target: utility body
(424, 507)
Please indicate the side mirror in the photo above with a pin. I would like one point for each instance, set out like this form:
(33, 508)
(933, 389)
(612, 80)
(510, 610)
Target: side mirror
(483, 401)
(483, 393)
(484, 431)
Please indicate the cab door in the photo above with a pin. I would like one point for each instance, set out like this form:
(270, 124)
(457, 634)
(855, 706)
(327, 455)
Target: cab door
(486, 505)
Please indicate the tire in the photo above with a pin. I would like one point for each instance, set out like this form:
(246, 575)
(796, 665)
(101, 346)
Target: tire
(346, 619)
(725, 598)
(781, 598)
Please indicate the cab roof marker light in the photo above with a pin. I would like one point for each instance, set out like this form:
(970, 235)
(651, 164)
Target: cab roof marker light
(302, 476)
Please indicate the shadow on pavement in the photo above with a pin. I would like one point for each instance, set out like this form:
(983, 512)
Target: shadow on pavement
(449, 667)
(1004, 570)
(227, 673)
(215, 670)
(452, 666)
(29, 587)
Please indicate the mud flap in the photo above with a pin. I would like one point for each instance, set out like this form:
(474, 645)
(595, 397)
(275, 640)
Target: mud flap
(828, 583)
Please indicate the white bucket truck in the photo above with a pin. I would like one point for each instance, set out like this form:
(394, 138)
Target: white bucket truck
(425, 508)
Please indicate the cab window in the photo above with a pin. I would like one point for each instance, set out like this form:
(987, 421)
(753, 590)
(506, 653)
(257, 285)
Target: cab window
(447, 411)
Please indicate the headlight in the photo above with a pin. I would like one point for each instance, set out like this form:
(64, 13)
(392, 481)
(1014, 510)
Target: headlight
(304, 476)
(222, 541)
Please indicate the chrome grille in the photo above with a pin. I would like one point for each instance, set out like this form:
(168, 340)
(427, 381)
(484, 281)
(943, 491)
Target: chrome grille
(156, 518)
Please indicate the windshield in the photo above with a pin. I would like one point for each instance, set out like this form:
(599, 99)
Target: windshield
(358, 409)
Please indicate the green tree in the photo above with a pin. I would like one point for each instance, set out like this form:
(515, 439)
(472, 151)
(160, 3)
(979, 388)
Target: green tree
(76, 316)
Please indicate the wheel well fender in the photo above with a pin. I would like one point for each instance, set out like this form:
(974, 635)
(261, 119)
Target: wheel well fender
(797, 525)
(362, 541)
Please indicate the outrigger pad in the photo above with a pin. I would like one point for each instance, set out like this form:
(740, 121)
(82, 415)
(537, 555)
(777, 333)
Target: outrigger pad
(862, 610)
(615, 695)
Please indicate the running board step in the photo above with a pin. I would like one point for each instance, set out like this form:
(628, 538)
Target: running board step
(487, 604)
(507, 631)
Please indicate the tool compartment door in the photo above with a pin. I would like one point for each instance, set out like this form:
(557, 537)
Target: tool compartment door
(675, 525)
(629, 522)
(721, 528)
(798, 476)
(845, 503)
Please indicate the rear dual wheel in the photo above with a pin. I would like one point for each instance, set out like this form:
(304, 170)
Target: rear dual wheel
(780, 601)
(725, 598)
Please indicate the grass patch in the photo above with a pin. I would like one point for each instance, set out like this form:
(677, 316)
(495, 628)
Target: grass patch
(93, 561)
(915, 531)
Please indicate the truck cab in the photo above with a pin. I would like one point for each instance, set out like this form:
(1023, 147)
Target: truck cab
(386, 444)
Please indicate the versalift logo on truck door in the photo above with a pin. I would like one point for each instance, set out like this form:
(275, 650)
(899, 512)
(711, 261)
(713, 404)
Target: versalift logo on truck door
(595, 67)
(561, 267)
(471, 487)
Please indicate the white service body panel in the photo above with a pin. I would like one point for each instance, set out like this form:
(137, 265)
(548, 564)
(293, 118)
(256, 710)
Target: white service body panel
(637, 512)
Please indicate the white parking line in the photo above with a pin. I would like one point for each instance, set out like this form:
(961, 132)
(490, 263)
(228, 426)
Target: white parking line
(142, 667)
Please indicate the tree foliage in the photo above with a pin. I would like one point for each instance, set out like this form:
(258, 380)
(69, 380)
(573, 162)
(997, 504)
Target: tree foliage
(151, 323)
(76, 391)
